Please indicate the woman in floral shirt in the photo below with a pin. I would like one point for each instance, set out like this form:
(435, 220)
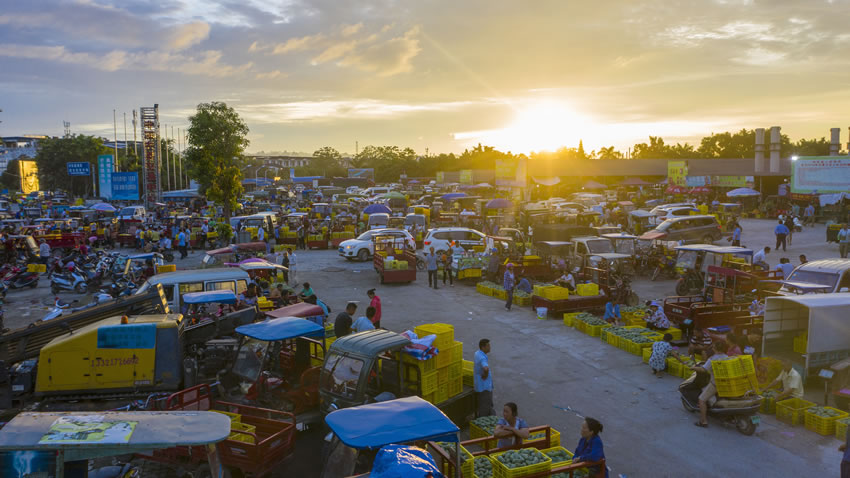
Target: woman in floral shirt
(660, 351)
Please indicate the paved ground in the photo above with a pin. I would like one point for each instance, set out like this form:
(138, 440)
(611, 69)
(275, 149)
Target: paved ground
(556, 374)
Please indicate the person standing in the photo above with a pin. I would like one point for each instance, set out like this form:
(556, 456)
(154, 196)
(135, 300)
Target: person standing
(205, 230)
(483, 379)
(736, 234)
(509, 282)
(795, 210)
(781, 233)
(590, 445)
(447, 267)
(789, 224)
(181, 244)
(809, 215)
(342, 324)
(843, 241)
(431, 265)
(293, 264)
(375, 301)
(43, 251)
(285, 262)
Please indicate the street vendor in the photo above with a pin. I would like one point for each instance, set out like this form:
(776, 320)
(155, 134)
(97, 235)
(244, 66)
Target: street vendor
(756, 306)
(567, 280)
(657, 320)
(510, 429)
(524, 285)
(700, 343)
(791, 381)
(307, 291)
(710, 390)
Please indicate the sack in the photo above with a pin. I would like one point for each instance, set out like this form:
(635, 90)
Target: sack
(399, 461)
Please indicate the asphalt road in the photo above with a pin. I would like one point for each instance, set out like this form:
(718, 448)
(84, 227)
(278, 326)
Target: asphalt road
(557, 375)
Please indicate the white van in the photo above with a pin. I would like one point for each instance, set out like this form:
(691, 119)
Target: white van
(378, 220)
(376, 191)
(175, 284)
(136, 213)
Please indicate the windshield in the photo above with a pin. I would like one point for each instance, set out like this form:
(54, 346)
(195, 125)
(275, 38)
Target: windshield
(411, 220)
(600, 246)
(814, 277)
(366, 236)
(686, 260)
(378, 220)
(127, 211)
(249, 359)
(341, 374)
(625, 247)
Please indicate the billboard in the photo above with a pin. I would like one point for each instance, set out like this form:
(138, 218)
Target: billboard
(465, 176)
(125, 186)
(105, 167)
(29, 176)
(79, 169)
(820, 174)
(677, 173)
(368, 173)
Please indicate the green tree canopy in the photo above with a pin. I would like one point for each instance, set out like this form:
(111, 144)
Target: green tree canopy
(53, 155)
(217, 141)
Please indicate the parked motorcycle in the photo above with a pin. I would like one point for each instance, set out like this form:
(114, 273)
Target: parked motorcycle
(74, 280)
(20, 278)
(665, 266)
(689, 283)
(738, 412)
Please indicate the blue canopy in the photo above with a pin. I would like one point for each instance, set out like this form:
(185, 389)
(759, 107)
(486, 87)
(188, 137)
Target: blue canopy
(224, 296)
(376, 209)
(281, 329)
(743, 192)
(498, 203)
(395, 421)
(450, 196)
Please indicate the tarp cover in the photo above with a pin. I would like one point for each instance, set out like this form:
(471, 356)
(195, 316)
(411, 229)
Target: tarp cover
(398, 461)
(377, 208)
(395, 421)
(281, 329)
(217, 296)
(825, 313)
(301, 309)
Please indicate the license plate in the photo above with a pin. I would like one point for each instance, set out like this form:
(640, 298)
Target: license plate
(755, 419)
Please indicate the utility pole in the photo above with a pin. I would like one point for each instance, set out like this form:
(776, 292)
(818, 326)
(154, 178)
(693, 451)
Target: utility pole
(67, 126)
(356, 148)
(115, 141)
(126, 148)
(180, 160)
(135, 151)
(167, 164)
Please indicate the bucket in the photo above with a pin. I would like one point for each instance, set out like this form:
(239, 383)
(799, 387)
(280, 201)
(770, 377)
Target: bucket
(542, 313)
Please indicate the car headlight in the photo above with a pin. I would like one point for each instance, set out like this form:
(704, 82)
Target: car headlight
(348, 247)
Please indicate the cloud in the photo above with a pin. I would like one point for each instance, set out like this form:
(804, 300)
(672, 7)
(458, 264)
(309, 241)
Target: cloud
(328, 110)
(271, 75)
(190, 34)
(297, 44)
(388, 58)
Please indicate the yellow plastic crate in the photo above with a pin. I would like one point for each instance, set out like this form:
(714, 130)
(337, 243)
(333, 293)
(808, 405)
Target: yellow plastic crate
(468, 273)
(595, 330)
(734, 367)
(674, 367)
(454, 387)
(841, 428)
(234, 417)
(477, 432)
(40, 268)
(636, 348)
(242, 437)
(540, 290)
(580, 325)
(430, 398)
(482, 457)
(569, 318)
(556, 293)
(482, 289)
(791, 410)
(468, 372)
(447, 355)
(587, 289)
(442, 393)
(502, 471)
(500, 294)
(445, 334)
(429, 382)
(736, 387)
(676, 333)
(457, 352)
(561, 449)
(166, 268)
(646, 353)
(823, 425)
(554, 437)
(455, 370)
(442, 375)
(424, 366)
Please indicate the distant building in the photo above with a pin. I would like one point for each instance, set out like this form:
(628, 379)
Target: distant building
(17, 147)
(283, 161)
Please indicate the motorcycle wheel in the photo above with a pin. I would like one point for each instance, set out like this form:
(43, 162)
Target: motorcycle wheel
(169, 257)
(688, 406)
(745, 425)
(420, 265)
(81, 288)
(655, 273)
(55, 289)
(681, 287)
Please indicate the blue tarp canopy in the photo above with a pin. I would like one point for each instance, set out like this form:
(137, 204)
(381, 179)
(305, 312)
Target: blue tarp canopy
(743, 192)
(498, 203)
(450, 196)
(395, 421)
(281, 329)
(376, 209)
(210, 296)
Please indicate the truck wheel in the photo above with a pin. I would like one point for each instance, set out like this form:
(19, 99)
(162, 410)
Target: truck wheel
(363, 255)
(745, 425)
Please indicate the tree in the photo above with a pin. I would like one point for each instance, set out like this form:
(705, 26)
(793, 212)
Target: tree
(811, 147)
(581, 154)
(326, 161)
(609, 153)
(11, 178)
(217, 141)
(53, 155)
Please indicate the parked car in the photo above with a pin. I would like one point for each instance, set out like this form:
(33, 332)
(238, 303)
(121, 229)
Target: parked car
(825, 276)
(362, 247)
(441, 238)
(687, 229)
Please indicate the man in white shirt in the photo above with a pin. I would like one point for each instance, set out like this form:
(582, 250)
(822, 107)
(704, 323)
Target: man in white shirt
(760, 258)
(44, 251)
(205, 229)
(792, 382)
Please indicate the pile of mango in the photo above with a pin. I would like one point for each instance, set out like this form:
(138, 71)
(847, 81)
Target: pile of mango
(824, 412)
(521, 458)
(488, 424)
(450, 449)
(483, 467)
(590, 319)
(558, 456)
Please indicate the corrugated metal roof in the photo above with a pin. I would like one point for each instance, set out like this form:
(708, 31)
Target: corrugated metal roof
(369, 343)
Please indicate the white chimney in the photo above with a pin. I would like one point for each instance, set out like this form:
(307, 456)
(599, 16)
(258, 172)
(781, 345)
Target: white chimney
(835, 141)
(759, 166)
(775, 144)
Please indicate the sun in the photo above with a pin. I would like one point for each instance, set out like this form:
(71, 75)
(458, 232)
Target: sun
(543, 125)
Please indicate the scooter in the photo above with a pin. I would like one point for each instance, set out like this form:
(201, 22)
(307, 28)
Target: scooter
(74, 280)
(666, 266)
(738, 412)
(22, 279)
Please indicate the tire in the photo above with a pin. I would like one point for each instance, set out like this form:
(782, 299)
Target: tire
(168, 257)
(55, 289)
(363, 255)
(420, 264)
(655, 273)
(81, 288)
(744, 425)
(34, 284)
(688, 406)
(682, 287)
(707, 239)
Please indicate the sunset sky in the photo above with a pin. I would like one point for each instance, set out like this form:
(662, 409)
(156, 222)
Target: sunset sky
(443, 75)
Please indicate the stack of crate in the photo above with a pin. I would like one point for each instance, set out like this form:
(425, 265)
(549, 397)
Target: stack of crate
(448, 362)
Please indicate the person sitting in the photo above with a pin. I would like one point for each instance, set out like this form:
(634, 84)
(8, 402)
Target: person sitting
(567, 280)
(276, 295)
(660, 351)
(710, 390)
(734, 349)
(589, 447)
(791, 381)
(306, 292)
(785, 268)
(657, 320)
(700, 343)
(248, 298)
(510, 429)
(760, 259)
(525, 286)
(364, 323)
(612, 312)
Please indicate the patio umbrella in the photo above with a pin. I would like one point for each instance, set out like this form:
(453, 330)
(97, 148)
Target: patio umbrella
(103, 207)
(674, 189)
(450, 196)
(393, 195)
(594, 185)
(742, 192)
(700, 190)
(377, 208)
(498, 203)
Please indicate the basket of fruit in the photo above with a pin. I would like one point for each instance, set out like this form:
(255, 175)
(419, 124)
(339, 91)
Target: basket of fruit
(821, 420)
(841, 428)
(483, 467)
(465, 458)
(483, 427)
(518, 463)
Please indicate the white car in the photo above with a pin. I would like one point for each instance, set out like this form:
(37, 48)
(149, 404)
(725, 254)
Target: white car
(441, 238)
(362, 248)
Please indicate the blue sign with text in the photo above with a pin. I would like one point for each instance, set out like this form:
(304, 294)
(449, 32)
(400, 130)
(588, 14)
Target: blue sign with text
(125, 186)
(79, 169)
